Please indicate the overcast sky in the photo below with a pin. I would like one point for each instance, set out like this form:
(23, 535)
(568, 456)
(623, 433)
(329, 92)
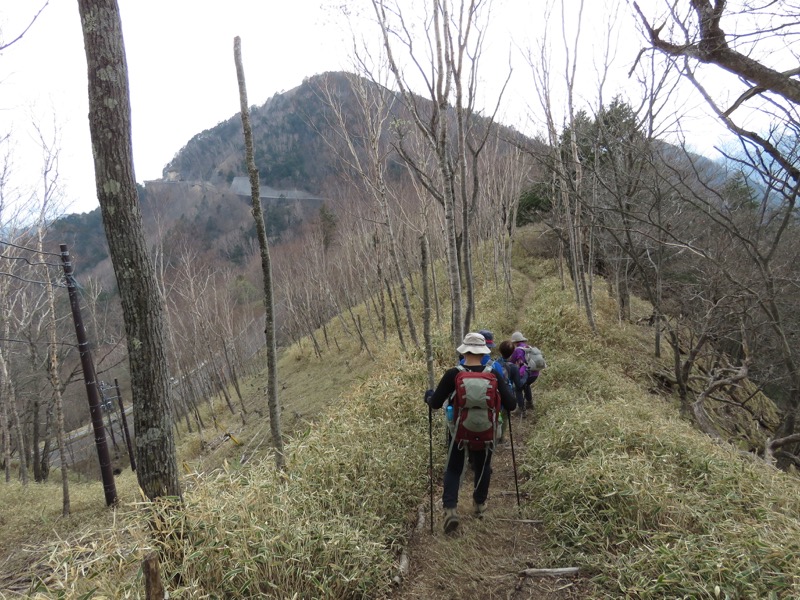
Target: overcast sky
(182, 74)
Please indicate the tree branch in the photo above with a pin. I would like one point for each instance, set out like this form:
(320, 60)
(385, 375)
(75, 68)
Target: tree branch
(24, 31)
(712, 48)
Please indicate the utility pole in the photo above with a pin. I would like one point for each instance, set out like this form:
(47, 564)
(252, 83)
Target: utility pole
(89, 378)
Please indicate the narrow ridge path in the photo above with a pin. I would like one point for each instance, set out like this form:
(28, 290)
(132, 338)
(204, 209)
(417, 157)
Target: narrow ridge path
(483, 559)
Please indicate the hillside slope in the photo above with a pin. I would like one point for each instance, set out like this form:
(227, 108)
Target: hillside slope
(612, 481)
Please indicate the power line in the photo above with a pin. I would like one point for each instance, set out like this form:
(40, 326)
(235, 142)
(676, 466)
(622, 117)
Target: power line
(30, 250)
(56, 284)
(29, 342)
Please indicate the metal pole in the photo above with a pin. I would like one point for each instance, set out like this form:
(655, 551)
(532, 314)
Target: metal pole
(513, 457)
(105, 403)
(125, 429)
(95, 409)
(426, 326)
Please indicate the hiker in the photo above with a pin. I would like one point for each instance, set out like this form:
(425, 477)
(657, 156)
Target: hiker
(498, 368)
(512, 374)
(479, 396)
(501, 370)
(526, 373)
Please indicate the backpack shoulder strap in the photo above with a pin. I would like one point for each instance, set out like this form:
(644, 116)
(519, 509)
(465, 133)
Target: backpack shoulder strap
(461, 368)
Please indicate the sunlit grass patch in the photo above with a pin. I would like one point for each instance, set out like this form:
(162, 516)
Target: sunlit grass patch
(330, 526)
(649, 506)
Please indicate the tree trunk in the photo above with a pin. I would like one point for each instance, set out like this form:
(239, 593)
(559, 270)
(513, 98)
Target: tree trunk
(9, 411)
(396, 314)
(44, 458)
(453, 274)
(234, 378)
(426, 311)
(142, 309)
(5, 432)
(21, 444)
(384, 326)
(269, 317)
(37, 467)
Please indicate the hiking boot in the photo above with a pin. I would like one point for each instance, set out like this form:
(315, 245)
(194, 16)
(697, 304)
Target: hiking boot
(480, 509)
(450, 520)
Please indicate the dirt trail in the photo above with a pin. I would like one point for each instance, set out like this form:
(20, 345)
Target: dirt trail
(484, 558)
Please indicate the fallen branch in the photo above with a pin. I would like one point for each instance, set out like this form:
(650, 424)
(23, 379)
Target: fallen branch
(402, 568)
(420, 518)
(549, 572)
(789, 439)
(529, 521)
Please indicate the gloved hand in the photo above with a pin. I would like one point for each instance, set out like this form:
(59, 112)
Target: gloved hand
(428, 397)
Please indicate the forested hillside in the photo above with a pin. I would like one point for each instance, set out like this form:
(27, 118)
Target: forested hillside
(333, 236)
(612, 481)
(661, 285)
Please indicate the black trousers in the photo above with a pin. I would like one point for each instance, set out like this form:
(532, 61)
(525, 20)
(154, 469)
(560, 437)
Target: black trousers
(481, 463)
(526, 390)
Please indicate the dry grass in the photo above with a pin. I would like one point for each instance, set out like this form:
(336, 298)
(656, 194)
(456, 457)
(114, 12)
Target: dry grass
(651, 507)
(647, 506)
(330, 527)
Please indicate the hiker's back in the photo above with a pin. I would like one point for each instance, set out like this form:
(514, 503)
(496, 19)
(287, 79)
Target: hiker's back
(534, 359)
(476, 405)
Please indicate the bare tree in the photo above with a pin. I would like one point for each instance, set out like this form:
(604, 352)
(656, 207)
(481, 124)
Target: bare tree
(506, 173)
(7, 392)
(48, 204)
(431, 121)
(758, 36)
(269, 318)
(142, 309)
(363, 147)
(564, 157)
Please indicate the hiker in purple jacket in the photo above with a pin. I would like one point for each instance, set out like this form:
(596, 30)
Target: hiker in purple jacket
(518, 358)
(514, 380)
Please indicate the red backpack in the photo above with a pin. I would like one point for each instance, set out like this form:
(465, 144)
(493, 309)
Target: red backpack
(476, 405)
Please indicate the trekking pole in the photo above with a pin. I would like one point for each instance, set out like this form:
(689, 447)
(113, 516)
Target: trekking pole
(513, 458)
(430, 459)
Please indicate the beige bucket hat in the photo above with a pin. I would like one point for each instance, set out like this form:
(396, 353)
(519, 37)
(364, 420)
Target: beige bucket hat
(474, 343)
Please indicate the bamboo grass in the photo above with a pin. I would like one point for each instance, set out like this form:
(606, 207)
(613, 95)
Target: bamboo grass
(624, 488)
